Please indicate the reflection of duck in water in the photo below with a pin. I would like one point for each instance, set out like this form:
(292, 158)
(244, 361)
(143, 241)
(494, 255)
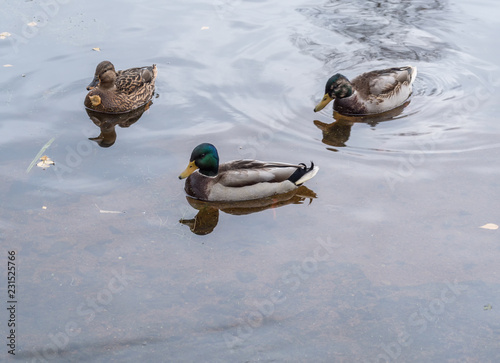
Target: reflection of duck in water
(240, 179)
(208, 212)
(107, 122)
(369, 93)
(337, 133)
(122, 91)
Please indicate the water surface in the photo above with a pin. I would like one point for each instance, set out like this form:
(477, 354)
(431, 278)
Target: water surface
(380, 259)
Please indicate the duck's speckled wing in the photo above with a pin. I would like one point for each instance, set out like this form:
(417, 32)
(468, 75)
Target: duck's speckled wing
(130, 80)
(382, 82)
(242, 173)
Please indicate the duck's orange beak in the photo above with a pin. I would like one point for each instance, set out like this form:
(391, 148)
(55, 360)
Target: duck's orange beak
(93, 84)
(191, 168)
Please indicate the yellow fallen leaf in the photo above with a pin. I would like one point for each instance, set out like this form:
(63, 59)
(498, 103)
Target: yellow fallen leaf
(4, 35)
(8, 65)
(45, 162)
(204, 28)
(32, 23)
(42, 150)
(44, 207)
(96, 49)
(490, 226)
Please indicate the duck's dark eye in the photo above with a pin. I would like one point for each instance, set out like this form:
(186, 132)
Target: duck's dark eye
(202, 155)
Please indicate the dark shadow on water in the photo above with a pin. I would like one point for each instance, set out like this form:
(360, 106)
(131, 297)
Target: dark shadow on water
(207, 217)
(107, 122)
(65, 351)
(382, 30)
(338, 132)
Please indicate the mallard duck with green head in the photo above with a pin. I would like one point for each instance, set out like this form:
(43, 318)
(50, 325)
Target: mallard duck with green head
(369, 93)
(122, 91)
(240, 180)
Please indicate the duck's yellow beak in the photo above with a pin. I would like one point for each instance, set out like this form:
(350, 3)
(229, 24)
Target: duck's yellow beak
(189, 170)
(325, 101)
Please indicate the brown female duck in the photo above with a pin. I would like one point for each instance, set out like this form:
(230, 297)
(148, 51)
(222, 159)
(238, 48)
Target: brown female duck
(122, 91)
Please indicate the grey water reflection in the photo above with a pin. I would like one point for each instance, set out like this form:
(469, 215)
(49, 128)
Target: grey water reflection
(107, 123)
(207, 217)
(380, 30)
(338, 132)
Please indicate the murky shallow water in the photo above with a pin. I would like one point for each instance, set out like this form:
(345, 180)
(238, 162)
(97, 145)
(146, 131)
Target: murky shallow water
(387, 263)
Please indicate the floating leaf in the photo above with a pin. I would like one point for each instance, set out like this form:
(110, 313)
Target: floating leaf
(45, 162)
(108, 211)
(488, 307)
(96, 49)
(32, 23)
(4, 35)
(204, 28)
(8, 65)
(42, 150)
(490, 226)
(44, 207)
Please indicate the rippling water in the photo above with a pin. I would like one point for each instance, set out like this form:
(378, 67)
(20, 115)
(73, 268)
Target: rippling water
(379, 258)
